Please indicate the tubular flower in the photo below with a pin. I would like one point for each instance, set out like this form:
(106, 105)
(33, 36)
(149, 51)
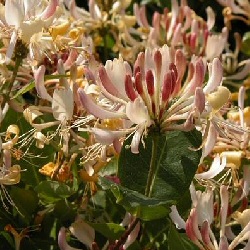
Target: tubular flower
(211, 216)
(151, 95)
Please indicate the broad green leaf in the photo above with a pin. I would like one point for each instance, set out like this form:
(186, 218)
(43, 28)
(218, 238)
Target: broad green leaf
(111, 231)
(176, 160)
(137, 204)
(245, 47)
(26, 201)
(180, 241)
(52, 191)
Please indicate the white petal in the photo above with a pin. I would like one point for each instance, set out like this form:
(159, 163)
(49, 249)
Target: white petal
(63, 245)
(215, 76)
(210, 18)
(39, 83)
(137, 112)
(117, 70)
(217, 166)
(11, 47)
(14, 12)
(176, 218)
(83, 232)
(136, 140)
(62, 104)
(210, 141)
(96, 110)
(105, 136)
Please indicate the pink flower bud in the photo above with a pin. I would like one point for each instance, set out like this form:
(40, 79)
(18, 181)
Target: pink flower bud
(129, 88)
(138, 83)
(106, 82)
(199, 100)
(150, 82)
(158, 61)
(167, 87)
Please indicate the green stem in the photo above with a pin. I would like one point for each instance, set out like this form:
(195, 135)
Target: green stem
(12, 80)
(153, 167)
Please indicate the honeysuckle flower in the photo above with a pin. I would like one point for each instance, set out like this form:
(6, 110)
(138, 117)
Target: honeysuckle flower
(203, 218)
(151, 94)
(28, 18)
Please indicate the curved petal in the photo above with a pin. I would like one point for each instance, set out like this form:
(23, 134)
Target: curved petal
(14, 12)
(96, 110)
(62, 104)
(63, 245)
(210, 141)
(176, 218)
(137, 112)
(39, 83)
(210, 18)
(136, 140)
(50, 9)
(215, 76)
(83, 232)
(105, 136)
(217, 166)
(11, 47)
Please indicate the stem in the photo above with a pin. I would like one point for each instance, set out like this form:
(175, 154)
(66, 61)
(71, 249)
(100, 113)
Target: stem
(153, 167)
(124, 237)
(12, 80)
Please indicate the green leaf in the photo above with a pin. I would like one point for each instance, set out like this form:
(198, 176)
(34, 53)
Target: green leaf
(137, 204)
(176, 162)
(111, 231)
(8, 238)
(180, 241)
(64, 211)
(52, 191)
(26, 201)
(24, 89)
(245, 47)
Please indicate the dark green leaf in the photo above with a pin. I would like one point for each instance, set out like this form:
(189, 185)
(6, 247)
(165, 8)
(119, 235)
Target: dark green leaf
(179, 241)
(177, 164)
(111, 231)
(137, 204)
(245, 47)
(52, 191)
(26, 201)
